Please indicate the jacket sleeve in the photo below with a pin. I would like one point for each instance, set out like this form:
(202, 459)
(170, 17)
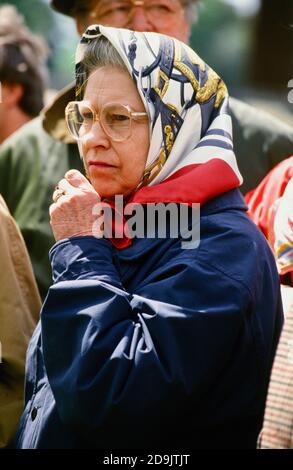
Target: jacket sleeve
(117, 361)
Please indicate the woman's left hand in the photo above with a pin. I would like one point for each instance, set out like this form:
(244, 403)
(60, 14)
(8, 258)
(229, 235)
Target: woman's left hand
(72, 213)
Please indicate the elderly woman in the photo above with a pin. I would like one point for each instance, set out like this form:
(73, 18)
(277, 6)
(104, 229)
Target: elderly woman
(143, 343)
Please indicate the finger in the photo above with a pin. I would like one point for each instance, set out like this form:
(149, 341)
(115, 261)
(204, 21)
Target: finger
(56, 195)
(52, 207)
(59, 194)
(66, 186)
(75, 178)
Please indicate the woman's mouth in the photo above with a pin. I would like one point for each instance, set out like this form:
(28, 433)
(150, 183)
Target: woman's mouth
(98, 164)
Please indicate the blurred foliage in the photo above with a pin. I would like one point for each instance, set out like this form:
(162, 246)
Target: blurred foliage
(224, 40)
(38, 16)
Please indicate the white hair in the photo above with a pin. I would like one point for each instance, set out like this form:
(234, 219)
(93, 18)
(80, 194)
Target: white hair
(101, 53)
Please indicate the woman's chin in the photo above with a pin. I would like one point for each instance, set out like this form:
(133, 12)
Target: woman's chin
(106, 191)
(104, 186)
(108, 188)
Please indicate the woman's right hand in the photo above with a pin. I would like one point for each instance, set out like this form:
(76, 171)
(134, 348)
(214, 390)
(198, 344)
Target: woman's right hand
(74, 210)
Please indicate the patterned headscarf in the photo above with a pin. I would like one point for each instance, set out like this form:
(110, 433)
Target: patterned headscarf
(191, 157)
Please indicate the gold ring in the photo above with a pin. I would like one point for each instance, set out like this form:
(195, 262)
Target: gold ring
(57, 194)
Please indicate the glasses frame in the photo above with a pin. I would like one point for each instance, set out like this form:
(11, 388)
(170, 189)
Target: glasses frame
(133, 115)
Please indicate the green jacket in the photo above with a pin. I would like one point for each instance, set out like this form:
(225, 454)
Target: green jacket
(32, 162)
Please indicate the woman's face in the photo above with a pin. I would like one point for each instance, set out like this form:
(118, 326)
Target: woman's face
(114, 167)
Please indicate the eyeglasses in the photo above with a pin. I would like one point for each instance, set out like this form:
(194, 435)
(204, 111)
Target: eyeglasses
(115, 119)
(118, 13)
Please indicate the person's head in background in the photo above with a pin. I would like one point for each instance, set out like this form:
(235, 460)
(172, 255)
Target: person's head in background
(22, 72)
(170, 17)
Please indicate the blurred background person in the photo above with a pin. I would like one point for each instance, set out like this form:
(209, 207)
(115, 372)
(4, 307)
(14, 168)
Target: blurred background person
(22, 72)
(277, 432)
(42, 151)
(19, 313)
(271, 208)
(22, 75)
(263, 205)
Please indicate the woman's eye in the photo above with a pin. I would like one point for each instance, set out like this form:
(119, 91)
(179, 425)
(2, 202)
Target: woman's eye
(119, 118)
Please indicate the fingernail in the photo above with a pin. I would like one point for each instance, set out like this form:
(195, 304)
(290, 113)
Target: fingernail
(71, 173)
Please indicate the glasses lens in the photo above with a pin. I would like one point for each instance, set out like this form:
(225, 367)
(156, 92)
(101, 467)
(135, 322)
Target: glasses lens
(79, 119)
(116, 121)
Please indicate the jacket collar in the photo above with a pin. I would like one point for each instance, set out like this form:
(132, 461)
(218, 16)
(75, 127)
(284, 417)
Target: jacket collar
(53, 118)
(229, 200)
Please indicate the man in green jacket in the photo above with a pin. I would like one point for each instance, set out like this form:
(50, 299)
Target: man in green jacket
(36, 158)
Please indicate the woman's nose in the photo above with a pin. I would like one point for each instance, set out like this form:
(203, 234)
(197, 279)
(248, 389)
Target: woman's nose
(95, 137)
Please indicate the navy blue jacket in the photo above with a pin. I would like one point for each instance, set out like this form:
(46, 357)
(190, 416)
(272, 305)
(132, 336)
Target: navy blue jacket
(154, 345)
